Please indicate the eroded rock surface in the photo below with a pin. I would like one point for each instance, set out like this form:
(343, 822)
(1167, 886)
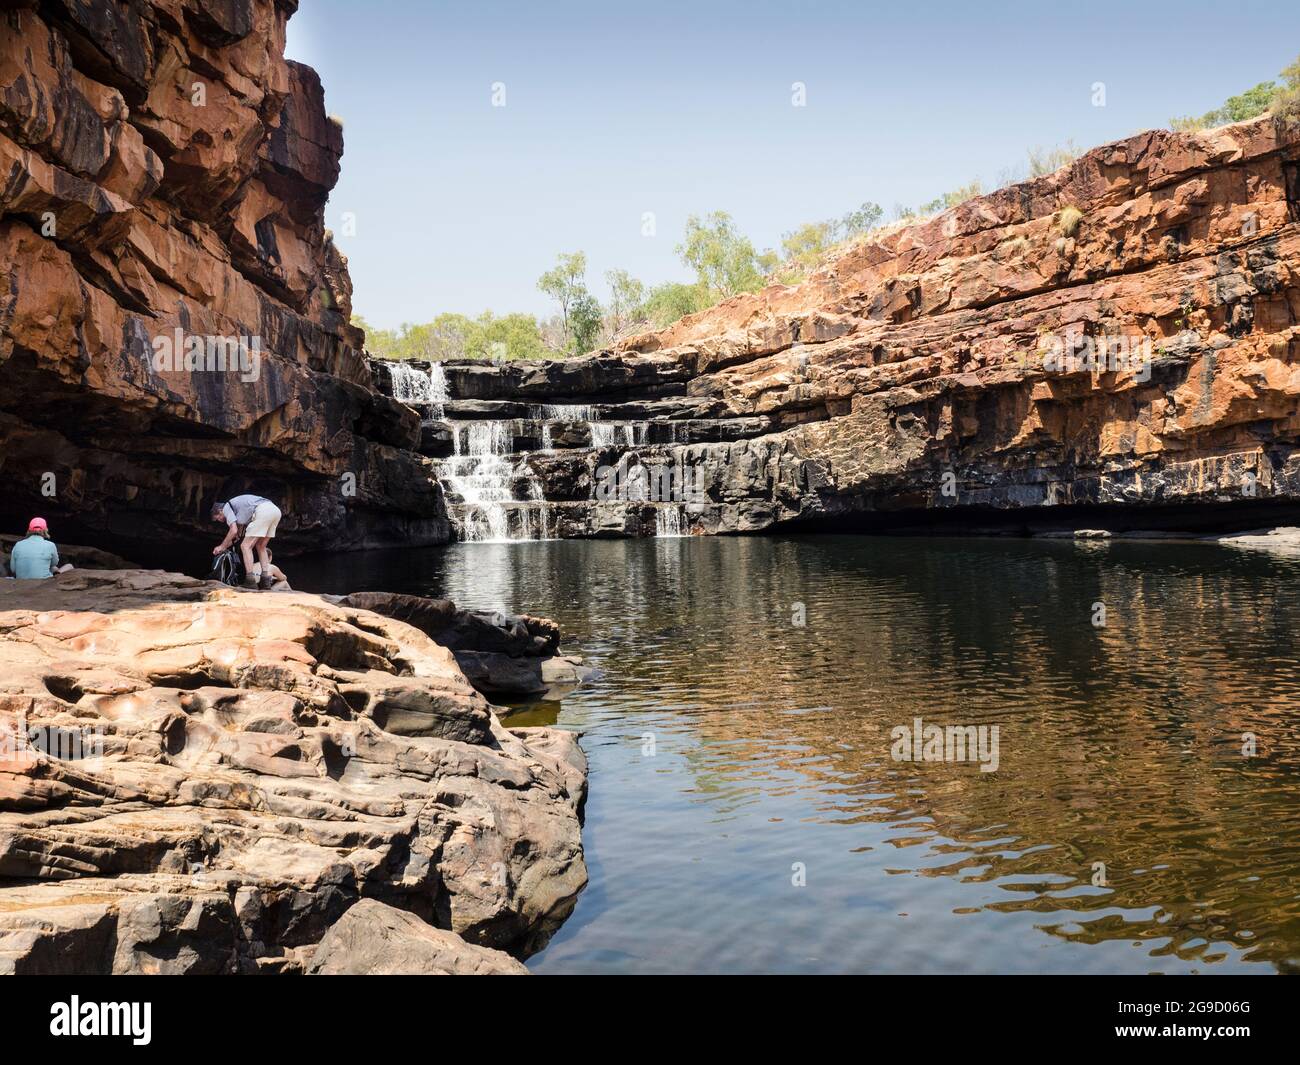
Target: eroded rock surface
(373, 939)
(165, 177)
(504, 656)
(201, 779)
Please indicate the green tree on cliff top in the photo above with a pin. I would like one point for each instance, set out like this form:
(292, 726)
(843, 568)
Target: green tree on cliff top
(566, 282)
(724, 260)
(1283, 100)
(456, 336)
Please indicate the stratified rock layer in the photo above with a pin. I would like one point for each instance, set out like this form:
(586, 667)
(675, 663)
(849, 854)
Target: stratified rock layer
(165, 176)
(198, 779)
(927, 352)
(915, 373)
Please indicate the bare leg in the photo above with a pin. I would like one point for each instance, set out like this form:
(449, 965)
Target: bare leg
(263, 556)
(246, 549)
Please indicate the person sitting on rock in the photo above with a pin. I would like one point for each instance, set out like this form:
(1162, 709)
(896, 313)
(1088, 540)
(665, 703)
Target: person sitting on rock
(36, 558)
(255, 518)
(280, 581)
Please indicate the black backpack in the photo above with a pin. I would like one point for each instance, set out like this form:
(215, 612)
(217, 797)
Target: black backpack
(228, 568)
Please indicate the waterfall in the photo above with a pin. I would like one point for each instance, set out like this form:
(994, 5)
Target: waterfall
(603, 433)
(494, 495)
(668, 521)
(565, 412)
(420, 388)
(481, 475)
(409, 384)
(438, 391)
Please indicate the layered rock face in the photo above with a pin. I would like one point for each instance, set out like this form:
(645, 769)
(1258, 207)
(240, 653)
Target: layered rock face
(195, 779)
(1120, 335)
(175, 319)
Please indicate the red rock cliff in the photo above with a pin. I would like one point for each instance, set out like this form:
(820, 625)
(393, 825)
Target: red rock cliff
(1122, 332)
(1115, 343)
(165, 171)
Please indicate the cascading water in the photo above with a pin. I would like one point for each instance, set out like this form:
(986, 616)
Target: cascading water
(480, 478)
(493, 492)
(603, 433)
(438, 391)
(564, 412)
(669, 517)
(420, 388)
(668, 520)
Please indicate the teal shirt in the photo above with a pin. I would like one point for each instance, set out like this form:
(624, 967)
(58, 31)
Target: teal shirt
(34, 558)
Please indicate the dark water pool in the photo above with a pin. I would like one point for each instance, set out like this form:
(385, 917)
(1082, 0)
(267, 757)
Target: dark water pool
(747, 814)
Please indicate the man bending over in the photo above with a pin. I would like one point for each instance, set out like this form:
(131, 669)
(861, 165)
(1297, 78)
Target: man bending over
(256, 519)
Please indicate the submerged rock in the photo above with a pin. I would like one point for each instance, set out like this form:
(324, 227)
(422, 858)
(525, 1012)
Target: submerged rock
(195, 778)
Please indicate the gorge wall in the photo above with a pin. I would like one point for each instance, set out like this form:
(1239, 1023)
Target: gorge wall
(165, 172)
(1120, 335)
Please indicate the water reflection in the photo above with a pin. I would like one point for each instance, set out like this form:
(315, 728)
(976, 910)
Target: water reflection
(735, 751)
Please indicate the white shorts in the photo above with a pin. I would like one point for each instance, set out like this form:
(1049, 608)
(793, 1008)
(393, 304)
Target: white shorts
(265, 520)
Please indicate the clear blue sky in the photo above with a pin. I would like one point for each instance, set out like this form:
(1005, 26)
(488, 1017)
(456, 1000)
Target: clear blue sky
(614, 109)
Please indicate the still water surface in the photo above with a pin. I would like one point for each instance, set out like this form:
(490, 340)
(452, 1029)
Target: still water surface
(735, 752)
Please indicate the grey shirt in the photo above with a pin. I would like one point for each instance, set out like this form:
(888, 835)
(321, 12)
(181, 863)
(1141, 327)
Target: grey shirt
(240, 509)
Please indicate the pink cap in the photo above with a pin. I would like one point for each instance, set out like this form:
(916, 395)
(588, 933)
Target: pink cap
(37, 525)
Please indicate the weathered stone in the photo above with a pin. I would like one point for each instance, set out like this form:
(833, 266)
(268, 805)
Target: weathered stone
(502, 655)
(373, 939)
(195, 778)
(465, 630)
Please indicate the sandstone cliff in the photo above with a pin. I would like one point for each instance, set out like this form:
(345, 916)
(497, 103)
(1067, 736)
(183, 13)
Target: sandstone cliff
(1120, 336)
(165, 175)
(1116, 338)
(195, 779)
(958, 346)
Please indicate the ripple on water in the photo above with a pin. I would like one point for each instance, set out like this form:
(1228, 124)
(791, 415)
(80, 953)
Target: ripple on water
(733, 750)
